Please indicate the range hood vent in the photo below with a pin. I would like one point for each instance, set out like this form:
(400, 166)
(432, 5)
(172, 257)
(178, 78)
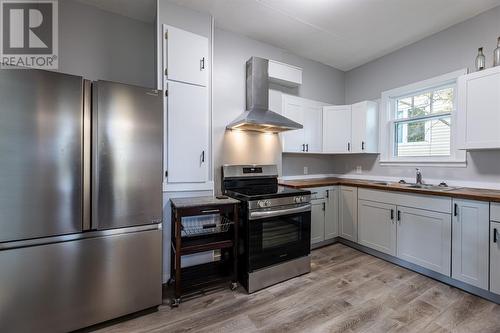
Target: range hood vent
(258, 117)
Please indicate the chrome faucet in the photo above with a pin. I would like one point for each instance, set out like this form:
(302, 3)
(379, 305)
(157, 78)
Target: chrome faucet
(419, 177)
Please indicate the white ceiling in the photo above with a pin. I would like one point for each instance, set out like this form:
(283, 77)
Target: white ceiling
(142, 10)
(340, 33)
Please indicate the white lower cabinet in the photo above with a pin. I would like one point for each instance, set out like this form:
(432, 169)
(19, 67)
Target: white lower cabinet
(348, 213)
(377, 226)
(470, 239)
(424, 238)
(318, 221)
(495, 257)
(332, 213)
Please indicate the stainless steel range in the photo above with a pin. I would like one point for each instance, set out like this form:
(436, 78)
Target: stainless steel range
(276, 225)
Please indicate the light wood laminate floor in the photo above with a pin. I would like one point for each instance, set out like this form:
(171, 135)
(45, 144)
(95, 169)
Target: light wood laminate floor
(346, 291)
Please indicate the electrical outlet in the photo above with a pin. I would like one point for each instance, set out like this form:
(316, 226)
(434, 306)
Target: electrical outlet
(359, 169)
(306, 170)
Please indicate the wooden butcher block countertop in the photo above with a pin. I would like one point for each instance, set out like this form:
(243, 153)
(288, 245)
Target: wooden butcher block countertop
(456, 192)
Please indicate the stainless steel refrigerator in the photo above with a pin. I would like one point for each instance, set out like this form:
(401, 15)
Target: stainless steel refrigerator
(80, 200)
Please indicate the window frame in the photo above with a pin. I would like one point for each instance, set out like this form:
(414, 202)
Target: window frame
(388, 122)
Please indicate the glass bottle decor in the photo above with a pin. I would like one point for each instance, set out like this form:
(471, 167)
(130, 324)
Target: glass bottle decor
(496, 54)
(480, 60)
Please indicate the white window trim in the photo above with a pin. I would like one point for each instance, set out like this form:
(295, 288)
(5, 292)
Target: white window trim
(387, 135)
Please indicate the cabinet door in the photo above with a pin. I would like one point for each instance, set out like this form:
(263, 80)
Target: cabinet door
(313, 125)
(424, 238)
(480, 99)
(470, 245)
(293, 141)
(337, 129)
(364, 127)
(187, 133)
(187, 57)
(317, 221)
(332, 213)
(495, 257)
(348, 215)
(377, 226)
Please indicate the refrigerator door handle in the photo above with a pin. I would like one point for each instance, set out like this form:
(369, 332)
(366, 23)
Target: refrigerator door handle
(87, 158)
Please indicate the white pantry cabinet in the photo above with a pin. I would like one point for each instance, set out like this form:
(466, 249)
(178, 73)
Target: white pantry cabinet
(332, 212)
(186, 57)
(470, 242)
(377, 226)
(337, 129)
(479, 110)
(348, 213)
(424, 238)
(364, 127)
(308, 113)
(284, 74)
(187, 140)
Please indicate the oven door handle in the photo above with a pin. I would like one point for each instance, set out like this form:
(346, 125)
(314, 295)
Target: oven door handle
(271, 213)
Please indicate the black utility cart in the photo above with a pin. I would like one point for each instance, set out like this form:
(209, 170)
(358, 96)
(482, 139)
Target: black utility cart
(203, 224)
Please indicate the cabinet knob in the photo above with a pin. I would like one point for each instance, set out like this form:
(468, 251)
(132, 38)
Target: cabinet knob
(494, 235)
(202, 63)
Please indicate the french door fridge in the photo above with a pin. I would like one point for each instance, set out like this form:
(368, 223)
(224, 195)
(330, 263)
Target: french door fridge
(80, 200)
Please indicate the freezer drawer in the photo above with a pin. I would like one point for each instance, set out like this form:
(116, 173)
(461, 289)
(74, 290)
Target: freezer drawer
(64, 286)
(127, 156)
(40, 154)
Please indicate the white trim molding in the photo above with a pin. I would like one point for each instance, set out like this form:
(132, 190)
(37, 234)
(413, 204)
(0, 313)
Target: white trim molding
(386, 143)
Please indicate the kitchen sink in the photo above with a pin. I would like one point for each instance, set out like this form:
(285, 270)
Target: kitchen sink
(431, 187)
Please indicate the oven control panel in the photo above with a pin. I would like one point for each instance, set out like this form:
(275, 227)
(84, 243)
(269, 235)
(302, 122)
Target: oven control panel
(299, 199)
(264, 203)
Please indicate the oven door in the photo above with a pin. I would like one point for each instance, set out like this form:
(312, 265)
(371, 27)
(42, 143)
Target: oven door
(277, 235)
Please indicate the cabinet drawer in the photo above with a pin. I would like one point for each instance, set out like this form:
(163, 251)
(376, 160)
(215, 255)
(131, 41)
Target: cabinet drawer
(495, 212)
(318, 193)
(427, 202)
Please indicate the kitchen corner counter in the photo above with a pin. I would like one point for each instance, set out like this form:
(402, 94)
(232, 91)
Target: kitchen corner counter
(461, 192)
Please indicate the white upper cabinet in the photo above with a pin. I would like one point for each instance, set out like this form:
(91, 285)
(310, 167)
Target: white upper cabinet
(337, 129)
(187, 57)
(187, 133)
(364, 127)
(284, 74)
(308, 113)
(470, 242)
(479, 110)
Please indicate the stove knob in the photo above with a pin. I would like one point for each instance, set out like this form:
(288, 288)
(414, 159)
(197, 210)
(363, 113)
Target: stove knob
(297, 200)
(268, 203)
(261, 203)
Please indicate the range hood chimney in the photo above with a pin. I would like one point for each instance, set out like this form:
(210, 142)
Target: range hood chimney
(257, 116)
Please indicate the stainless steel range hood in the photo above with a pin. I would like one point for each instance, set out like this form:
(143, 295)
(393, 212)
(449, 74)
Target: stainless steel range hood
(258, 117)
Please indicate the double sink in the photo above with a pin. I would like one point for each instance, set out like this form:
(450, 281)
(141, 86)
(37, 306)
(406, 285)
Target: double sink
(430, 187)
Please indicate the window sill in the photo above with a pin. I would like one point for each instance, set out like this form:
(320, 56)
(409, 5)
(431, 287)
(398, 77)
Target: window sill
(444, 163)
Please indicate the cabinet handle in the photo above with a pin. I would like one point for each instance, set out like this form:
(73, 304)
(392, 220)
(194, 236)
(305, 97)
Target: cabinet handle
(399, 216)
(324, 206)
(362, 145)
(303, 147)
(327, 194)
(392, 214)
(494, 235)
(210, 211)
(455, 210)
(203, 157)
(202, 63)
(307, 147)
(348, 146)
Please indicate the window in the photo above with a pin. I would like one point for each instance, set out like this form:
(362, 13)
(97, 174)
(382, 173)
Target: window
(420, 122)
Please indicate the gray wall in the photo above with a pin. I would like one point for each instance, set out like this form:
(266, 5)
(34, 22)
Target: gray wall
(98, 44)
(231, 51)
(446, 51)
